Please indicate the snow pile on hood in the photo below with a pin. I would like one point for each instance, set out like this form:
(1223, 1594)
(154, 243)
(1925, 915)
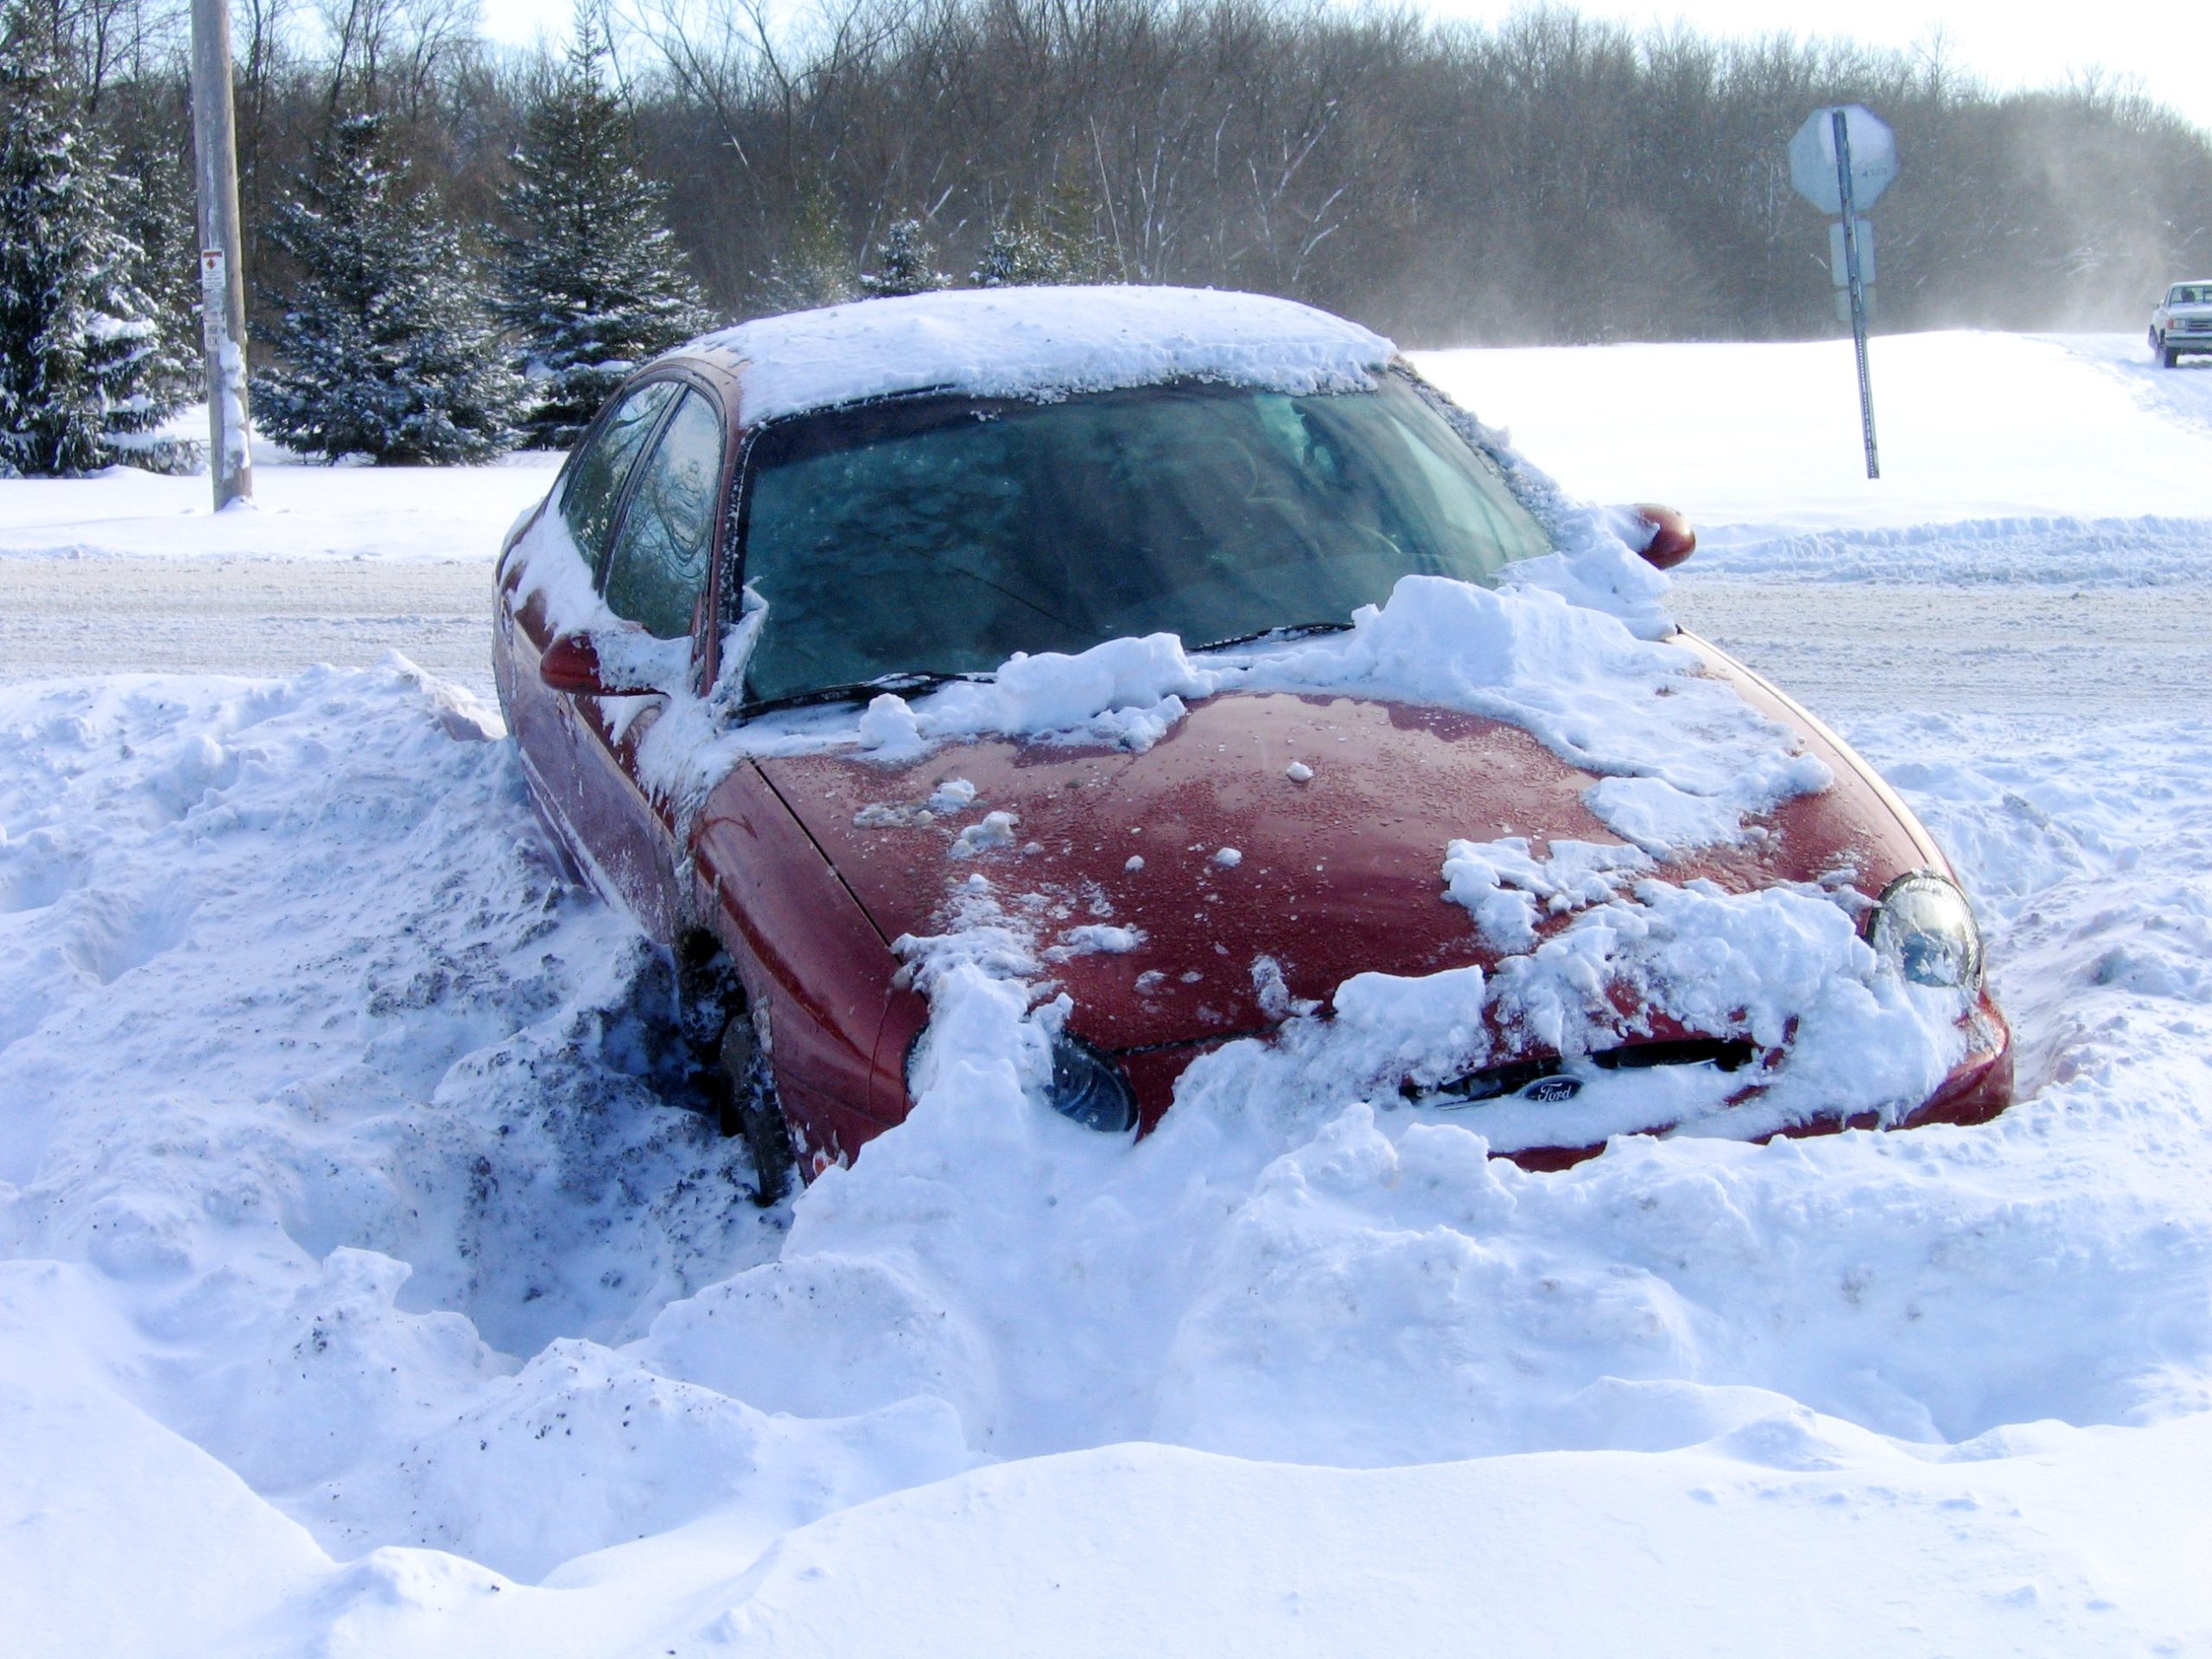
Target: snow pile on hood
(1686, 760)
(1125, 692)
(1041, 342)
(353, 1271)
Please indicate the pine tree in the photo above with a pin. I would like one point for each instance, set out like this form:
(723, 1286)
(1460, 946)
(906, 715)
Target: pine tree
(903, 263)
(85, 372)
(384, 350)
(153, 204)
(594, 283)
(1069, 225)
(816, 267)
(1019, 255)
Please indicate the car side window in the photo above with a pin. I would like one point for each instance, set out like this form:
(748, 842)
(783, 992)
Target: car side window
(657, 567)
(595, 485)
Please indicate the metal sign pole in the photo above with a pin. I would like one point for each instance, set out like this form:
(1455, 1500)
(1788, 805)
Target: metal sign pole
(1842, 130)
(222, 274)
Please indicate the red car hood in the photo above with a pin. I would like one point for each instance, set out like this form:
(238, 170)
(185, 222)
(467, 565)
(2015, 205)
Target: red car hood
(1337, 874)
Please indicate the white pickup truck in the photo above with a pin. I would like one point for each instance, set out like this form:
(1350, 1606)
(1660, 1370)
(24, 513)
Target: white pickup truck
(2183, 322)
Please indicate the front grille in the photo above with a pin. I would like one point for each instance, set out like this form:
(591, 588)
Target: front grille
(1527, 1079)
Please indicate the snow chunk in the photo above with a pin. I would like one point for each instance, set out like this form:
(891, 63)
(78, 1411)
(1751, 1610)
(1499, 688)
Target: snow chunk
(1096, 939)
(1299, 773)
(1041, 343)
(990, 832)
(1501, 883)
(1126, 693)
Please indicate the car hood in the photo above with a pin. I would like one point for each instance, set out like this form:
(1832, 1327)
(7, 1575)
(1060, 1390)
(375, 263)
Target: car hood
(1162, 885)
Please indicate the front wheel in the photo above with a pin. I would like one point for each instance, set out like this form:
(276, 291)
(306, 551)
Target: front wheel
(2167, 356)
(754, 1110)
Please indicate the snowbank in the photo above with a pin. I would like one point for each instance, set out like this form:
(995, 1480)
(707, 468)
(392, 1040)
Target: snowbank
(345, 1223)
(1973, 426)
(299, 513)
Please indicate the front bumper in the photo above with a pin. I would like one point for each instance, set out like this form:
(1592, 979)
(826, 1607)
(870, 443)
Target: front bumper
(1979, 1088)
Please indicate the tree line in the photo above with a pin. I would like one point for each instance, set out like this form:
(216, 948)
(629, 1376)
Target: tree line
(550, 212)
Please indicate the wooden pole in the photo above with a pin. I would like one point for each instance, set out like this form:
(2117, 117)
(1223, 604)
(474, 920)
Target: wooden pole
(222, 273)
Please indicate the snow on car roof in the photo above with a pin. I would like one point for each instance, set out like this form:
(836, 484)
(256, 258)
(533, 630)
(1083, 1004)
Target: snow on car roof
(1040, 342)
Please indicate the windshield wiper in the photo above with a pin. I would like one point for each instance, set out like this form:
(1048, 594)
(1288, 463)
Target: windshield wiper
(904, 684)
(1286, 631)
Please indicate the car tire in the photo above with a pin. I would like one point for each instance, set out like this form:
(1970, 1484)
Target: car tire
(752, 1110)
(2168, 357)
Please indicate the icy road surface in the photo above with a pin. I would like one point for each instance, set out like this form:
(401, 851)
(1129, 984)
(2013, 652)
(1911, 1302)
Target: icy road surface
(366, 1290)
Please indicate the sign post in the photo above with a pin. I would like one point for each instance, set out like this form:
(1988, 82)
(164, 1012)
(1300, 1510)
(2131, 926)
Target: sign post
(222, 276)
(1842, 131)
(1841, 161)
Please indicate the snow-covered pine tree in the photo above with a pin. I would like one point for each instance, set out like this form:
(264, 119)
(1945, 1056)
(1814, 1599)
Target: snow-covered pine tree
(84, 371)
(384, 350)
(816, 267)
(152, 204)
(903, 263)
(593, 281)
(1019, 255)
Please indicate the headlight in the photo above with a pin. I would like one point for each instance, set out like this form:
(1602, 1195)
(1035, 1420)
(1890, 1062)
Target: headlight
(1090, 1088)
(1925, 927)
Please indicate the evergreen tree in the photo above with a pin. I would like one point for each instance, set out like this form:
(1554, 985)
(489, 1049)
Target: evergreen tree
(153, 204)
(595, 282)
(1019, 255)
(1068, 223)
(903, 263)
(816, 267)
(385, 350)
(86, 374)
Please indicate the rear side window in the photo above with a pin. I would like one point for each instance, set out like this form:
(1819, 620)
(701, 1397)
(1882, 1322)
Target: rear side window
(595, 479)
(658, 565)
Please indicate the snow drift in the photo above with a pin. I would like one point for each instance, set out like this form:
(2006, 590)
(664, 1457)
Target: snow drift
(341, 1193)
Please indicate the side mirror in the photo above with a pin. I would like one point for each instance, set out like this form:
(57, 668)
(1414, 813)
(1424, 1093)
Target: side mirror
(1671, 539)
(571, 664)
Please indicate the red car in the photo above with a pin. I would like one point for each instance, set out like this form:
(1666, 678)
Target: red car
(771, 527)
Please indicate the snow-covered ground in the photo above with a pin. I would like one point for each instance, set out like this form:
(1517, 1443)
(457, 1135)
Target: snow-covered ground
(366, 1288)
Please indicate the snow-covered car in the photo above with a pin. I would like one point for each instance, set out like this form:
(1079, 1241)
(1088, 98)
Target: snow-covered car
(1187, 661)
(2183, 322)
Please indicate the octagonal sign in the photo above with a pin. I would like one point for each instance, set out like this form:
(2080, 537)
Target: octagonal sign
(1812, 158)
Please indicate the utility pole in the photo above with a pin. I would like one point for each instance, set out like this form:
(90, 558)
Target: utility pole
(222, 275)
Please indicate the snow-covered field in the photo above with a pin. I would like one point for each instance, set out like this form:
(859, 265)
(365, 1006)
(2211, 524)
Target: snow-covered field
(367, 1289)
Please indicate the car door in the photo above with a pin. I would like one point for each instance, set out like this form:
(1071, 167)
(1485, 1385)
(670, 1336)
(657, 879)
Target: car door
(583, 504)
(655, 576)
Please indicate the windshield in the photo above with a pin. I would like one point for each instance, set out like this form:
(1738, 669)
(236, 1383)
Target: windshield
(942, 535)
(2191, 294)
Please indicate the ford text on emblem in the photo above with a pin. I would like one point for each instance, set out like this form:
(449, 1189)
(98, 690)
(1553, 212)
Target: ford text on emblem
(1552, 1088)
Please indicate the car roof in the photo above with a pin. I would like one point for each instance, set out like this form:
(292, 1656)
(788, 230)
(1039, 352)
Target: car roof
(1036, 342)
